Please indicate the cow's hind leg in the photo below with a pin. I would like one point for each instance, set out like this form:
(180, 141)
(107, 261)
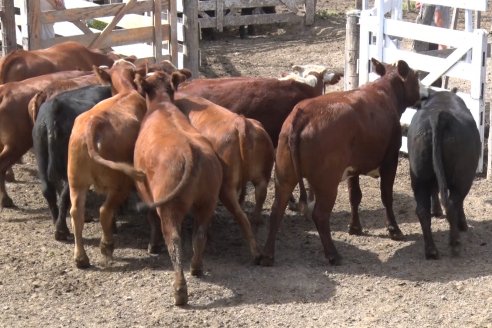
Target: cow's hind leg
(261, 187)
(423, 199)
(203, 216)
(171, 230)
(388, 173)
(156, 243)
(8, 157)
(453, 216)
(325, 200)
(355, 197)
(229, 198)
(61, 229)
(106, 216)
(77, 198)
(283, 192)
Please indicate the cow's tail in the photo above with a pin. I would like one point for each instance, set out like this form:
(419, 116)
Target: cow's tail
(189, 159)
(294, 140)
(56, 157)
(125, 168)
(242, 127)
(35, 103)
(437, 125)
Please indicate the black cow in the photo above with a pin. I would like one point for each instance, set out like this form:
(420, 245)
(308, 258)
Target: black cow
(443, 150)
(50, 135)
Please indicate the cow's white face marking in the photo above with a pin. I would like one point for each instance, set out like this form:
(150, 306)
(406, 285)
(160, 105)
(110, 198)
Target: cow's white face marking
(305, 70)
(309, 80)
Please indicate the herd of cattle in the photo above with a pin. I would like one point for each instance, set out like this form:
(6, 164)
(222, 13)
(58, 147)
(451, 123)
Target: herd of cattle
(184, 144)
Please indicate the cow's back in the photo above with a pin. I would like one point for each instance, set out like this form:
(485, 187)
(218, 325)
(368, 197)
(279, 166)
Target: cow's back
(267, 100)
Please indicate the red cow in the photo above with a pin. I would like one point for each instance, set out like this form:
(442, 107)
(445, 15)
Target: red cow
(245, 150)
(267, 100)
(21, 64)
(101, 152)
(339, 136)
(15, 124)
(183, 174)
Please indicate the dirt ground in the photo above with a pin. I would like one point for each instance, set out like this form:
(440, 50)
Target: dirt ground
(380, 283)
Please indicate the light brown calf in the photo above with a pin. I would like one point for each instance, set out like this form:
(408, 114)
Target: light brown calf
(245, 150)
(101, 152)
(183, 174)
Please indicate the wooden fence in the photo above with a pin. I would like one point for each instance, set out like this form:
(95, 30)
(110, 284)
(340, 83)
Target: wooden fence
(380, 37)
(149, 26)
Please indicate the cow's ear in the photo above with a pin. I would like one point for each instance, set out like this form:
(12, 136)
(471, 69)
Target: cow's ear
(378, 67)
(403, 68)
(177, 78)
(131, 59)
(102, 74)
(140, 83)
(185, 72)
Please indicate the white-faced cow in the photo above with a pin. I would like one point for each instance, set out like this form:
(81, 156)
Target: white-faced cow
(443, 150)
(339, 136)
(183, 174)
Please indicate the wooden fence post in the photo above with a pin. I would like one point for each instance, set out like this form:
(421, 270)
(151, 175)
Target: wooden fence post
(33, 14)
(9, 42)
(352, 32)
(157, 12)
(191, 33)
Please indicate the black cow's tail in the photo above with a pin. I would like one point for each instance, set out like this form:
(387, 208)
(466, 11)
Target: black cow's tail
(293, 140)
(125, 168)
(57, 158)
(438, 122)
(185, 179)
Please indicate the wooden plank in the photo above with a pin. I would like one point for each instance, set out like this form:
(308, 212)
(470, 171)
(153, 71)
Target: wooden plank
(9, 43)
(310, 12)
(107, 30)
(116, 38)
(446, 65)
(463, 4)
(219, 16)
(191, 32)
(252, 19)
(33, 25)
(173, 37)
(157, 30)
(138, 7)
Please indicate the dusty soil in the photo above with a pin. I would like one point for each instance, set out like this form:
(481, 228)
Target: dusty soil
(380, 283)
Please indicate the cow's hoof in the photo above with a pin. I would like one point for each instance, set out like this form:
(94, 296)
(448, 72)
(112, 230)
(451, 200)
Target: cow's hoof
(181, 296)
(395, 233)
(196, 272)
(7, 202)
(432, 254)
(293, 206)
(437, 214)
(462, 226)
(335, 259)
(63, 235)
(82, 262)
(357, 231)
(265, 260)
(155, 249)
(107, 249)
(455, 249)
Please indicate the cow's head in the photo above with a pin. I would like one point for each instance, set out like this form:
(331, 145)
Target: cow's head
(412, 90)
(160, 83)
(120, 75)
(322, 74)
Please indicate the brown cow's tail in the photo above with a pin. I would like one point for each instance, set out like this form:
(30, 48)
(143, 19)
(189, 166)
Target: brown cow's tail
(294, 139)
(125, 168)
(189, 159)
(243, 127)
(34, 105)
(437, 123)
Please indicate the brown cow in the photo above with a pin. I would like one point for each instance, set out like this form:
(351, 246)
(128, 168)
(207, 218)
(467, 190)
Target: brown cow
(15, 124)
(267, 100)
(183, 174)
(20, 64)
(245, 150)
(339, 136)
(100, 149)
(56, 88)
